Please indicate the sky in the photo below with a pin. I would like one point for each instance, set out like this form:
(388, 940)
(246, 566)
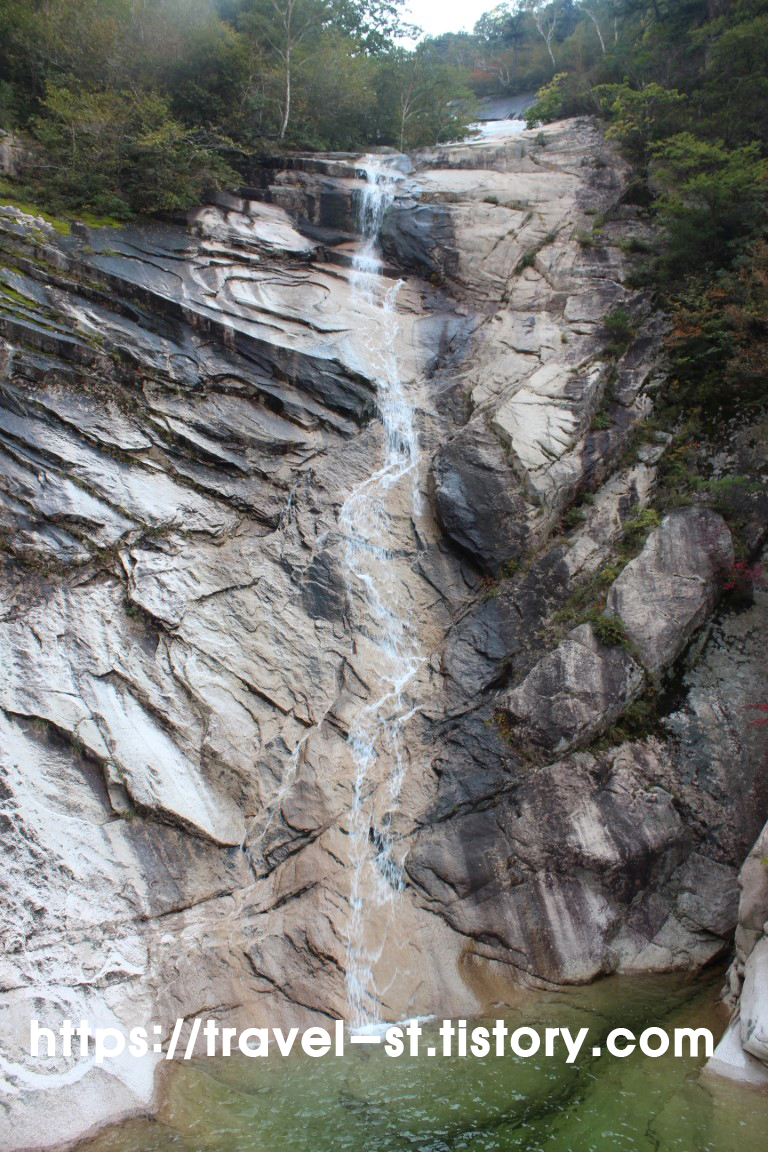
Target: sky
(436, 16)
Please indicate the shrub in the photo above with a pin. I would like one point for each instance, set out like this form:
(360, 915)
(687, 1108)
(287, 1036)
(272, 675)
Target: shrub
(610, 631)
(740, 580)
(638, 116)
(618, 324)
(112, 206)
(125, 150)
(638, 527)
(712, 199)
(572, 518)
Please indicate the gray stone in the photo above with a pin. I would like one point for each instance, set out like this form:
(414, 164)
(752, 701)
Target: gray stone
(419, 238)
(572, 694)
(708, 897)
(754, 1002)
(670, 589)
(478, 498)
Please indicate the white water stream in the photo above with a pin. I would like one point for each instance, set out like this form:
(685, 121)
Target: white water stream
(386, 634)
(386, 648)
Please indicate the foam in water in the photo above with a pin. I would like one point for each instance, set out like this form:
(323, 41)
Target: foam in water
(394, 655)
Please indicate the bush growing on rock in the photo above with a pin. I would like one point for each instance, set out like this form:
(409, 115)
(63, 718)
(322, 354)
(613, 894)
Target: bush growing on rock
(618, 324)
(610, 631)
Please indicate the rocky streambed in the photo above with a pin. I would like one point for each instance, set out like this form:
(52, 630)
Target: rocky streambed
(185, 415)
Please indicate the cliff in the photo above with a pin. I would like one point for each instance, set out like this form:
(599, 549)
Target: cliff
(286, 729)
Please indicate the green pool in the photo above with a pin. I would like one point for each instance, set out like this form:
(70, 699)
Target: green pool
(368, 1102)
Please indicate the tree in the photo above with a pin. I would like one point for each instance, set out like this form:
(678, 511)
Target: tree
(425, 98)
(712, 199)
(286, 26)
(639, 116)
(374, 24)
(735, 81)
(500, 30)
(119, 151)
(335, 95)
(592, 15)
(545, 18)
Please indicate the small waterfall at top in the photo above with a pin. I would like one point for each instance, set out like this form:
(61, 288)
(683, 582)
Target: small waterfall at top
(385, 633)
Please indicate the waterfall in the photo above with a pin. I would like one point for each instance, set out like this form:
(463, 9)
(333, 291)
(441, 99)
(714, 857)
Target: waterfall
(385, 631)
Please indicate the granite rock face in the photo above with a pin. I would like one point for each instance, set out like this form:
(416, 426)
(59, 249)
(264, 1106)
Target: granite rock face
(666, 593)
(754, 1002)
(594, 854)
(743, 1052)
(186, 418)
(479, 504)
(572, 694)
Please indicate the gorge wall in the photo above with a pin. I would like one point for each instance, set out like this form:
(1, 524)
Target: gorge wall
(187, 647)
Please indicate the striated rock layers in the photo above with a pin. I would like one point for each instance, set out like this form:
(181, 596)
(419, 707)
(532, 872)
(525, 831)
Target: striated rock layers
(185, 645)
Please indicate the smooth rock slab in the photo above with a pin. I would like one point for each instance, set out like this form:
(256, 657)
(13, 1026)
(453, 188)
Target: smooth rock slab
(572, 694)
(670, 589)
(157, 775)
(732, 1063)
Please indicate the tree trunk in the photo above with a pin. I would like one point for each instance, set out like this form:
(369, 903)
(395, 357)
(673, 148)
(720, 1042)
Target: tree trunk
(287, 108)
(596, 23)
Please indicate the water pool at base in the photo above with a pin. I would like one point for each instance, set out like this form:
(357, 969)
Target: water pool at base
(368, 1102)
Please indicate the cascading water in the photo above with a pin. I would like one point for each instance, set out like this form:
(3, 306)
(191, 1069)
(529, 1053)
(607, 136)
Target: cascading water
(385, 630)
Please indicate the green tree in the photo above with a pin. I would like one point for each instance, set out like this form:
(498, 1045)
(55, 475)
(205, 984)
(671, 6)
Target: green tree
(423, 99)
(712, 199)
(735, 78)
(639, 116)
(335, 95)
(123, 151)
(375, 25)
(545, 17)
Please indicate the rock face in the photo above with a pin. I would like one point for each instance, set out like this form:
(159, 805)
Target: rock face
(572, 693)
(670, 589)
(743, 1052)
(479, 504)
(189, 421)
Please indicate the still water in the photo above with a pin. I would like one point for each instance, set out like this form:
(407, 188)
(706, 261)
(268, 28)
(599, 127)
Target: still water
(368, 1102)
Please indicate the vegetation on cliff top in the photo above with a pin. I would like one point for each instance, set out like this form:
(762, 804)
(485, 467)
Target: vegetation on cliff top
(683, 87)
(139, 106)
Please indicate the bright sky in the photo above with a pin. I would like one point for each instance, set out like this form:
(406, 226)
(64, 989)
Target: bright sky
(436, 16)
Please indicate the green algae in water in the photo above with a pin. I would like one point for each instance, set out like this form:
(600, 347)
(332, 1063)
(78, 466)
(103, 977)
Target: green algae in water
(368, 1101)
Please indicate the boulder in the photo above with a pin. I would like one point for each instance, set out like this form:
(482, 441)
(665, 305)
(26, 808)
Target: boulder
(743, 1052)
(753, 905)
(572, 694)
(732, 1063)
(419, 238)
(573, 871)
(670, 589)
(478, 498)
(708, 895)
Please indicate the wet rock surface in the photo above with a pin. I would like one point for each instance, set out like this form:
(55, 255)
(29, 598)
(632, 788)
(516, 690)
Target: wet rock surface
(183, 417)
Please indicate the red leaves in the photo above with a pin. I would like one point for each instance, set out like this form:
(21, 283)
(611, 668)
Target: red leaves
(761, 720)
